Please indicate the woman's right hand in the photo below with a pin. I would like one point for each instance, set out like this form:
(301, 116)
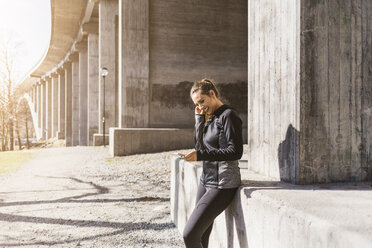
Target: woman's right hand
(199, 111)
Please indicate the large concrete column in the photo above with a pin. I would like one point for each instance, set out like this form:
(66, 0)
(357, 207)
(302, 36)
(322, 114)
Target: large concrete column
(34, 96)
(93, 79)
(48, 105)
(61, 103)
(108, 11)
(43, 109)
(75, 99)
(54, 104)
(83, 95)
(38, 104)
(68, 103)
(308, 95)
(133, 63)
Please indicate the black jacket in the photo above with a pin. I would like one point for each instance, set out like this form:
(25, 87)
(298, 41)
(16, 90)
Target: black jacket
(219, 144)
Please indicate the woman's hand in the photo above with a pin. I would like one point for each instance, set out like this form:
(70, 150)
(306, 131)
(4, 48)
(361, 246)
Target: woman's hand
(199, 111)
(191, 156)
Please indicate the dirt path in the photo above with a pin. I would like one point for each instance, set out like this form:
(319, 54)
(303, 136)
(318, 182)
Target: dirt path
(80, 197)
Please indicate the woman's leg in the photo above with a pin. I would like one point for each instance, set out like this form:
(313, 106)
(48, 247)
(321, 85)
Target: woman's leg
(211, 204)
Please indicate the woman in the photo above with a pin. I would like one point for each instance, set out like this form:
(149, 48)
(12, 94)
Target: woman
(219, 144)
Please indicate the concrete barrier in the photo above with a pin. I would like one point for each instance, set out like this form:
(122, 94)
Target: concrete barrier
(126, 141)
(98, 139)
(267, 213)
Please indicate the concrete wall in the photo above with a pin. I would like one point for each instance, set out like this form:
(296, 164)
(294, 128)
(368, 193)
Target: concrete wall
(108, 11)
(267, 214)
(134, 63)
(93, 93)
(309, 93)
(190, 40)
(273, 111)
(147, 140)
(336, 91)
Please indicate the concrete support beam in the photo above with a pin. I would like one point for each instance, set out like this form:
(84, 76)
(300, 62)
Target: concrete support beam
(147, 140)
(108, 11)
(38, 104)
(93, 88)
(43, 109)
(48, 105)
(34, 97)
(308, 116)
(68, 103)
(54, 104)
(83, 95)
(61, 103)
(75, 99)
(133, 63)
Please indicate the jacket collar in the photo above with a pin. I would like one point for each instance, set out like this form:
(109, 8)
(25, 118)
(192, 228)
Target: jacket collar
(220, 110)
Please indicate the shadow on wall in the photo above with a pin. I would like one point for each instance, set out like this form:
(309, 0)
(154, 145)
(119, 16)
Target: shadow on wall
(288, 156)
(177, 95)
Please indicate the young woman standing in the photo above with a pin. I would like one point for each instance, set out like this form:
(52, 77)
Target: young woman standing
(219, 144)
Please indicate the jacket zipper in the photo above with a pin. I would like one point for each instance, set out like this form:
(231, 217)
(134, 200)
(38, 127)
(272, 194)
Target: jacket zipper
(218, 175)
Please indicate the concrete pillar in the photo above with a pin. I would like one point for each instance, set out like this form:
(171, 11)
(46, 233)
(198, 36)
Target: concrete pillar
(38, 104)
(307, 91)
(43, 109)
(68, 103)
(34, 96)
(93, 79)
(83, 95)
(108, 11)
(54, 104)
(48, 105)
(133, 63)
(61, 103)
(75, 99)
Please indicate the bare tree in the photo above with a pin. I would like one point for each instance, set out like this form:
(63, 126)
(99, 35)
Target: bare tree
(9, 50)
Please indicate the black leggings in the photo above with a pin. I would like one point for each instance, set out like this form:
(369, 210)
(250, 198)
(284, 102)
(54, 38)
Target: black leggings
(210, 203)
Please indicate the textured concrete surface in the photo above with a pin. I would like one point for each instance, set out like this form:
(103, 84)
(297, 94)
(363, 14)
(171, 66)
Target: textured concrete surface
(273, 111)
(75, 99)
(98, 139)
(54, 105)
(48, 108)
(108, 11)
(68, 101)
(39, 97)
(190, 40)
(268, 213)
(127, 141)
(83, 92)
(336, 91)
(133, 101)
(61, 104)
(309, 96)
(93, 93)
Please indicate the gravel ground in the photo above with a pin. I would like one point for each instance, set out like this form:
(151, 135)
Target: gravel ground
(81, 197)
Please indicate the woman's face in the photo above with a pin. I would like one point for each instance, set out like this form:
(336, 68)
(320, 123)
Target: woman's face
(205, 103)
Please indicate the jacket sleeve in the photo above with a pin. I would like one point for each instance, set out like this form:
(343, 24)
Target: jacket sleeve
(198, 132)
(232, 127)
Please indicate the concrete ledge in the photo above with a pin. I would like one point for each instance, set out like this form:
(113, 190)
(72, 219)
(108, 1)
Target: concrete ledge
(98, 139)
(268, 213)
(126, 141)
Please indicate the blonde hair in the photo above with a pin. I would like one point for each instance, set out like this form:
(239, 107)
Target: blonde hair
(205, 85)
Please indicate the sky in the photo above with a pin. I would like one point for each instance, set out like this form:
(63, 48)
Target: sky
(29, 23)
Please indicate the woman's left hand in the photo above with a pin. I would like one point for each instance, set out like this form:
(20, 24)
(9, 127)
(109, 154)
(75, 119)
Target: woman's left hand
(191, 156)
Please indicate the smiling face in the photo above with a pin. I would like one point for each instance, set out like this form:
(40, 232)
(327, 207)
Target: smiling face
(207, 104)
